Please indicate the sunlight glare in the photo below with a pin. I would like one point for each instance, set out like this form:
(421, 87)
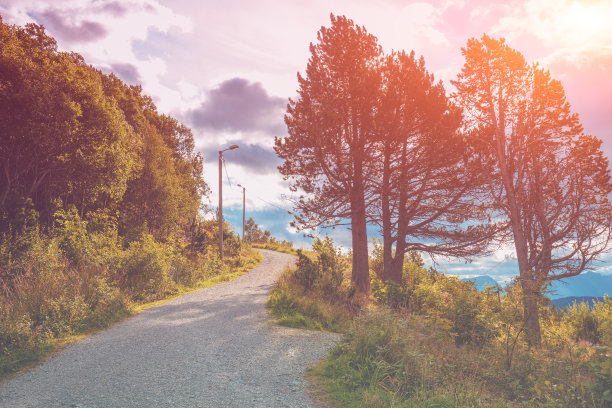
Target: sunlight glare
(583, 22)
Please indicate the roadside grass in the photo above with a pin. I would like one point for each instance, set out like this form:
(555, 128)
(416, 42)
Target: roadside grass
(277, 246)
(436, 342)
(293, 306)
(388, 360)
(248, 263)
(15, 360)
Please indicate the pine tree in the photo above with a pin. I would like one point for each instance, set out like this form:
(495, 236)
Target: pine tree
(547, 178)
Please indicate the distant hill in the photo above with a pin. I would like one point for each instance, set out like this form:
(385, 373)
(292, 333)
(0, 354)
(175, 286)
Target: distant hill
(481, 281)
(568, 301)
(589, 284)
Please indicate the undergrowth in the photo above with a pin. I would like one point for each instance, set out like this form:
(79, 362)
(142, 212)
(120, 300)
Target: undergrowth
(57, 288)
(316, 295)
(434, 341)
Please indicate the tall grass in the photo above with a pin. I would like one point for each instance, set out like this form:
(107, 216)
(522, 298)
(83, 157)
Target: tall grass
(433, 341)
(76, 281)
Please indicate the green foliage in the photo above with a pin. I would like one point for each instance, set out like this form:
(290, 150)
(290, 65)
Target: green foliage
(146, 267)
(284, 246)
(324, 271)
(307, 273)
(436, 341)
(330, 264)
(72, 134)
(100, 208)
(295, 307)
(312, 295)
(590, 324)
(45, 296)
(254, 234)
(447, 301)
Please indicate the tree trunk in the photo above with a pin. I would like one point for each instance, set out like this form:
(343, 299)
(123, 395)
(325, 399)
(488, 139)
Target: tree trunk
(386, 217)
(531, 319)
(531, 314)
(6, 185)
(397, 267)
(361, 269)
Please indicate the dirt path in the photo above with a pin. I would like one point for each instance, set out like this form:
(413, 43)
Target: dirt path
(212, 348)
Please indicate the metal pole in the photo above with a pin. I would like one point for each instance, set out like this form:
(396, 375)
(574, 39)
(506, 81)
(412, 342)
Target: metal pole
(220, 215)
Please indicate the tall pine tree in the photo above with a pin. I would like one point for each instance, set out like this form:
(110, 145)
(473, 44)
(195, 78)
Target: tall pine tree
(545, 176)
(331, 135)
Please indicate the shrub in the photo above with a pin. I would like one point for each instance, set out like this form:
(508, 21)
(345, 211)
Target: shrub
(145, 267)
(590, 324)
(307, 272)
(330, 265)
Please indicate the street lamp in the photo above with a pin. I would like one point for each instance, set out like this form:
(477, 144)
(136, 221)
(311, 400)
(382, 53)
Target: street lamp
(220, 215)
(243, 211)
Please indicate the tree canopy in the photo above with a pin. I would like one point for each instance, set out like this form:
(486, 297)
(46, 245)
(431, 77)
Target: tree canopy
(73, 136)
(545, 176)
(373, 138)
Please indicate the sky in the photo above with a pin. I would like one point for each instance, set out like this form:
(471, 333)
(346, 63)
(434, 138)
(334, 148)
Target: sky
(226, 70)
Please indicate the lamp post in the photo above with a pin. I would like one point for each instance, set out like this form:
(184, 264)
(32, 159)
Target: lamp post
(243, 209)
(220, 215)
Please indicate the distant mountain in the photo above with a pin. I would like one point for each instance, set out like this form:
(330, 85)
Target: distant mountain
(568, 301)
(481, 281)
(590, 284)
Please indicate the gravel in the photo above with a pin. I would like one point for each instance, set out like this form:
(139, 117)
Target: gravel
(216, 347)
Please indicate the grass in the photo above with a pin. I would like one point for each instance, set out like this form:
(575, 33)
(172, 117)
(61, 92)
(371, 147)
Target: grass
(276, 247)
(393, 357)
(255, 259)
(306, 309)
(19, 360)
(385, 360)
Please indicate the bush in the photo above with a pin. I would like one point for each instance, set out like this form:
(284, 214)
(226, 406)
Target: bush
(307, 272)
(145, 267)
(325, 271)
(330, 265)
(590, 324)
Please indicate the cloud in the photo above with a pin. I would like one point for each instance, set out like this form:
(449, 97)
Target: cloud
(252, 157)
(127, 72)
(115, 9)
(240, 105)
(106, 33)
(64, 27)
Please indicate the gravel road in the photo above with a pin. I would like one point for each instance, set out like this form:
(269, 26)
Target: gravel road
(216, 347)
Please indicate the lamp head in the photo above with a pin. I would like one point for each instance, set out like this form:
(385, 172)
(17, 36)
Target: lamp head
(232, 147)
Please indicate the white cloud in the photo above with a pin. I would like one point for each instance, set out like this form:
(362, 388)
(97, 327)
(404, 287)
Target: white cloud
(123, 23)
(563, 25)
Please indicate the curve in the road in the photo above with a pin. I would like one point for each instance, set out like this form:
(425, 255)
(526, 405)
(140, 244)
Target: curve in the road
(212, 348)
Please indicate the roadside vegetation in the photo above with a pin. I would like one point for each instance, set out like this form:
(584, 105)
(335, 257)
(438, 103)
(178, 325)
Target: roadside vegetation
(375, 141)
(101, 202)
(260, 238)
(434, 341)
(75, 282)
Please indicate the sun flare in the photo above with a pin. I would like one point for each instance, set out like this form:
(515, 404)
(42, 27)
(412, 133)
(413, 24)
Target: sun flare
(583, 22)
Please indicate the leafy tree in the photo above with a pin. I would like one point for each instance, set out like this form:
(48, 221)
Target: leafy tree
(425, 179)
(167, 190)
(331, 134)
(547, 178)
(61, 137)
(254, 234)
